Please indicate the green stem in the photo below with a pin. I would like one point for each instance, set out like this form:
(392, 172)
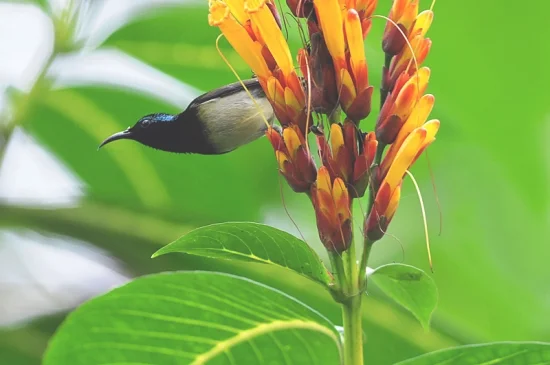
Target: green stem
(363, 266)
(340, 276)
(351, 310)
(350, 266)
(353, 332)
(348, 294)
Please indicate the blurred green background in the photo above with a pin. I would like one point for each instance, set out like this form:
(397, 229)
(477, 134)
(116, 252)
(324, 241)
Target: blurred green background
(114, 208)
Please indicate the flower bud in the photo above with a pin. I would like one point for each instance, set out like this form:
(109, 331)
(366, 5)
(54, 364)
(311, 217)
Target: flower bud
(332, 210)
(318, 71)
(300, 8)
(394, 39)
(362, 167)
(400, 104)
(294, 160)
(382, 212)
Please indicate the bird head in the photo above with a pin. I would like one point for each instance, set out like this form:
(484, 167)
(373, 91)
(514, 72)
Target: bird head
(159, 131)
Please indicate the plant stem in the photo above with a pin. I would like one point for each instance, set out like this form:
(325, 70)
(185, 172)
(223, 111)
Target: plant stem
(363, 266)
(351, 310)
(353, 332)
(351, 275)
(339, 273)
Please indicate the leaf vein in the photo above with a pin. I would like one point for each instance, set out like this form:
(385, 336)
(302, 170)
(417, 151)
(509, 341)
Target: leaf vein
(172, 319)
(188, 303)
(265, 328)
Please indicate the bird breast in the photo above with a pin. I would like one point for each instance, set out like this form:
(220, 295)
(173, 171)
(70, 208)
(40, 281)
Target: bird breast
(235, 120)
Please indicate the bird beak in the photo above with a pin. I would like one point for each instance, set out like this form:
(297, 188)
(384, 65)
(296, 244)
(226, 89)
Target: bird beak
(127, 134)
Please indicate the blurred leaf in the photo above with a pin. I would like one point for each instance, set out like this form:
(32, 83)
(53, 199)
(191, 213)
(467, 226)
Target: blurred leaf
(194, 317)
(131, 237)
(94, 121)
(408, 286)
(251, 242)
(22, 346)
(504, 353)
(179, 41)
(40, 3)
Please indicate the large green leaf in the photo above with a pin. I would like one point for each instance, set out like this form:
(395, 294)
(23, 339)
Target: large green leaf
(500, 353)
(194, 318)
(252, 242)
(408, 286)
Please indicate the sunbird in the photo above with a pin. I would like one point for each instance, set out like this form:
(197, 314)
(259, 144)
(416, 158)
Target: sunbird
(214, 123)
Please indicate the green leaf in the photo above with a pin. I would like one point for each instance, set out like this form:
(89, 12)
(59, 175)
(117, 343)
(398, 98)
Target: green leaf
(501, 353)
(251, 242)
(408, 286)
(158, 40)
(194, 318)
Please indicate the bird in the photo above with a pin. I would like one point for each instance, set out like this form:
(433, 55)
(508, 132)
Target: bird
(214, 123)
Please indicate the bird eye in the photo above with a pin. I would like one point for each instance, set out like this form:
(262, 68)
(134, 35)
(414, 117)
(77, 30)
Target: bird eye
(145, 123)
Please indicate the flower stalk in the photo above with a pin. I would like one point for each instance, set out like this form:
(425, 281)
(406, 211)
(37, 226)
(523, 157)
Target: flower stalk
(353, 331)
(331, 98)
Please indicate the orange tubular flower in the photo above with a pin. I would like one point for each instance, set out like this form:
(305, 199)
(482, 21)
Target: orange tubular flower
(418, 116)
(412, 28)
(252, 29)
(418, 45)
(347, 52)
(360, 106)
(295, 162)
(269, 31)
(402, 13)
(400, 103)
(387, 198)
(365, 8)
(248, 48)
(332, 210)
